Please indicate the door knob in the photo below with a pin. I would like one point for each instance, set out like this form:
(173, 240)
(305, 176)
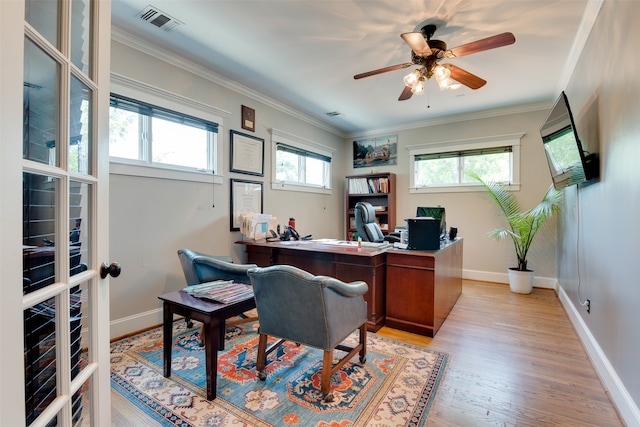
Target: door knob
(112, 269)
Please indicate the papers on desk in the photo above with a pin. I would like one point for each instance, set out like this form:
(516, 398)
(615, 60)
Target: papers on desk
(222, 291)
(352, 244)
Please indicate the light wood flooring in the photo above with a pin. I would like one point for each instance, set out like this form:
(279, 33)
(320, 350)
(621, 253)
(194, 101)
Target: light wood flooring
(515, 360)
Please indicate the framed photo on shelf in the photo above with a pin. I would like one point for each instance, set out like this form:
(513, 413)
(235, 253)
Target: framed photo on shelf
(248, 118)
(246, 196)
(247, 153)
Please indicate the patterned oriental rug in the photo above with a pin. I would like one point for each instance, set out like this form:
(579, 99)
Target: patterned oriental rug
(395, 387)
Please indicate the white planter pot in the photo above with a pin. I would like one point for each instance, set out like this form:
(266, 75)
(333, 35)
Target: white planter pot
(520, 282)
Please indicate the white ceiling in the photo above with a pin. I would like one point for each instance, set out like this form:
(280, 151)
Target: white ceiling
(304, 53)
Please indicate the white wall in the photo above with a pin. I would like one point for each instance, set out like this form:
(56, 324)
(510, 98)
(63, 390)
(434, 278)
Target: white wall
(601, 220)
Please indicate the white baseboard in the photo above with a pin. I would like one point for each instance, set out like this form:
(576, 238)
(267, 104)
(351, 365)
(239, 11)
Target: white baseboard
(488, 276)
(625, 405)
(130, 324)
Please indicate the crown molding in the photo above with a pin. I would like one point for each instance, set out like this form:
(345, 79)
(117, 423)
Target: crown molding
(586, 25)
(128, 39)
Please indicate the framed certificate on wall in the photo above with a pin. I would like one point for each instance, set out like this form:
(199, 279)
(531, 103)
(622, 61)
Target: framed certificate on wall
(246, 196)
(247, 153)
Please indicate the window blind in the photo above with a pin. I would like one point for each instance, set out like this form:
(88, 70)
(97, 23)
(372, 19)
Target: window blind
(466, 153)
(300, 152)
(135, 106)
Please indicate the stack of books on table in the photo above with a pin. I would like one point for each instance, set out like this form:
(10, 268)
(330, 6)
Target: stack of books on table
(222, 291)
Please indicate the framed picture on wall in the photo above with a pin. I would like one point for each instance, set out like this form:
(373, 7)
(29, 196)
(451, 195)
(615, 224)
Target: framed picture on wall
(379, 151)
(246, 196)
(248, 118)
(247, 153)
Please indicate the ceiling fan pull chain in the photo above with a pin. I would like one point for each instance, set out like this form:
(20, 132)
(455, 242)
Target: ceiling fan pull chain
(428, 97)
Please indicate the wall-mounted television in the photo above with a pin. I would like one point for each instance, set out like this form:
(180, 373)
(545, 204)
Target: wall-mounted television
(568, 162)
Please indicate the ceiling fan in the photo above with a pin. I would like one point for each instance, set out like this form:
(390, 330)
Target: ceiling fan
(428, 53)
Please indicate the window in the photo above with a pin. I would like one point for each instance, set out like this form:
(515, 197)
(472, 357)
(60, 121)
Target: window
(153, 135)
(300, 165)
(493, 164)
(444, 166)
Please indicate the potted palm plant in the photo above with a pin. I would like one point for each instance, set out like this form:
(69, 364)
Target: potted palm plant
(523, 226)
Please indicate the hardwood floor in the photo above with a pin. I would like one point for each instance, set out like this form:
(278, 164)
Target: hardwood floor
(515, 360)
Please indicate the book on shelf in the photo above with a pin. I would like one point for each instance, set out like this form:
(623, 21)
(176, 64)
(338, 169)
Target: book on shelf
(221, 291)
(368, 185)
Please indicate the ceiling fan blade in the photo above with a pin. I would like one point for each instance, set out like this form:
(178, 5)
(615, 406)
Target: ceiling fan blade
(492, 42)
(466, 78)
(417, 43)
(406, 94)
(382, 70)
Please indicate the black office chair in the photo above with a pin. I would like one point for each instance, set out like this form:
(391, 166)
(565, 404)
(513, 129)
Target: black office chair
(367, 227)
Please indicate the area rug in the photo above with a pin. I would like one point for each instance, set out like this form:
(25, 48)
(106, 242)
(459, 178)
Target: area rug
(396, 386)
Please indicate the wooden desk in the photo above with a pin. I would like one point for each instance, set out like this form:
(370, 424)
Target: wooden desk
(212, 315)
(408, 290)
(422, 287)
(346, 263)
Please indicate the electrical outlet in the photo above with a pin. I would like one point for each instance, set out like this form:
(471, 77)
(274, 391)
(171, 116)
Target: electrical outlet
(588, 304)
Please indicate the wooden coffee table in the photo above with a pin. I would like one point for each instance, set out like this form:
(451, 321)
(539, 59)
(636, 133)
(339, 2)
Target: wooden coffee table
(212, 315)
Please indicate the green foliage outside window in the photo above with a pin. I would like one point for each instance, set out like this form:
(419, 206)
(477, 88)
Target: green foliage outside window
(452, 168)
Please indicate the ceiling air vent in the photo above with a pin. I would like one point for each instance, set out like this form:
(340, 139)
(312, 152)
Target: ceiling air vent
(158, 18)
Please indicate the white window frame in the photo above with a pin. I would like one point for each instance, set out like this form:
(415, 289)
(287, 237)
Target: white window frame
(143, 92)
(512, 140)
(280, 137)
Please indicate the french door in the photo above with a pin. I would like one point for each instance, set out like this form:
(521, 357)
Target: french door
(63, 53)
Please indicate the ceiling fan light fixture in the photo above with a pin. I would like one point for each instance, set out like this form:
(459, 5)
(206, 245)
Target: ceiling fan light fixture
(418, 88)
(453, 85)
(412, 78)
(441, 73)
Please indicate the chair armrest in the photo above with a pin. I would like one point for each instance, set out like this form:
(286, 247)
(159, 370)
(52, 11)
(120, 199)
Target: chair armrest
(352, 289)
(392, 237)
(222, 265)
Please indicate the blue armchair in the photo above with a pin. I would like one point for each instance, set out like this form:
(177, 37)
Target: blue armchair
(201, 268)
(317, 311)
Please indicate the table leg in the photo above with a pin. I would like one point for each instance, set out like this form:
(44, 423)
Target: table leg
(222, 330)
(212, 333)
(167, 337)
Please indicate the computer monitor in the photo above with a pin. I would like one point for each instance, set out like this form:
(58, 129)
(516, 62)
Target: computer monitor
(436, 213)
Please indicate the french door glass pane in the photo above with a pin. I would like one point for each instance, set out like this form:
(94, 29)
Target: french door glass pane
(39, 195)
(81, 412)
(40, 357)
(79, 321)
(79, 307)
(81, 35)
(80, 127)
(43, 16)
(40, 106)
(80, 238)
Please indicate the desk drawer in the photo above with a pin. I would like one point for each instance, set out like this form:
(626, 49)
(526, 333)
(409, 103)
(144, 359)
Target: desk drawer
(411, 259)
